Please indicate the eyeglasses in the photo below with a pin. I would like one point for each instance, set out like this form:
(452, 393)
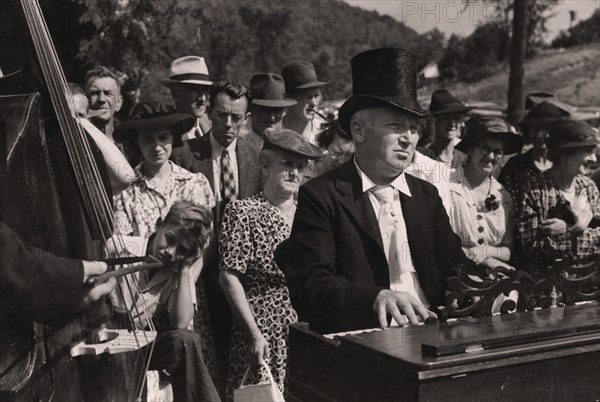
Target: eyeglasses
(487, 150)
(235, 118)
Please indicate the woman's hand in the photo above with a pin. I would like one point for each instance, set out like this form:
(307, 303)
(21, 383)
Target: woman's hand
(582, 220)
(260, 350)
(553, 226)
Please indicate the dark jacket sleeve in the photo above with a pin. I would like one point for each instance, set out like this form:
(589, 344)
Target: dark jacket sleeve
(319, 292)
(43, 285)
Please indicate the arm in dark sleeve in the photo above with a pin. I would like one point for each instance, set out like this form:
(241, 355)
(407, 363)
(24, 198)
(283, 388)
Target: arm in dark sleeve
(320, 295)
(45, 285)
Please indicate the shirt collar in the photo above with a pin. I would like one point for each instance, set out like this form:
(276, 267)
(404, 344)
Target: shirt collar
(177, 173)
(399, 183)
(217, 149)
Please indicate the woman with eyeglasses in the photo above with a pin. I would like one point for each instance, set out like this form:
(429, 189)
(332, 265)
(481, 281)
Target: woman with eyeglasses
(481, 209)
(254, 285)
(560, 215)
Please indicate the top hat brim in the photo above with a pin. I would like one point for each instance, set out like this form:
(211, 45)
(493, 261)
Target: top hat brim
(180, 124)
(167, 82)
(513, 143)
(452, 109)
(274, 103)
(359, 102)
(309, 85)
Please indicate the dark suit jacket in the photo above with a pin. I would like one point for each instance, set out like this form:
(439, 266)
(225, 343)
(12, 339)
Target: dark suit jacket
(196, 156)
(334, 260)
(34, 282)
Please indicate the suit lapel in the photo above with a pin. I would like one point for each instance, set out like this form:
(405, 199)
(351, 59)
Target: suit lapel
(358, 203)
(244, 160)
(202, 152)
(412, 210)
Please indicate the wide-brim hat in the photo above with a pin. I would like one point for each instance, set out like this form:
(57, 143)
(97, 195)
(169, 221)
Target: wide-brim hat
(385, 77)
(301, 75)
(481, 126)
(268, 90)
(542, 114)
(188, 70)
(151, 116)
(442, 103)
(572, 134)
(291, 142)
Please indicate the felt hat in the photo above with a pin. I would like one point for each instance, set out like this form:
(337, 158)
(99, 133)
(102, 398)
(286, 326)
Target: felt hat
(153, 115)
(542, 114)
(571, 134)
(442, 102)
(190, 70)
(268, 90)
(481, 126)
(301, 75)
(384, 77)
(291, 142)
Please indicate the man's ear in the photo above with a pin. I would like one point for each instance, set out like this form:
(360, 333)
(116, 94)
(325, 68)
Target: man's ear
(358, 131)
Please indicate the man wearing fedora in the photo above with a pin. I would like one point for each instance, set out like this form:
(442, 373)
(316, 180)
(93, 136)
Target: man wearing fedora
(189, 84)
(302, 85)
(268, 106)
(450, 114)
(370, 243)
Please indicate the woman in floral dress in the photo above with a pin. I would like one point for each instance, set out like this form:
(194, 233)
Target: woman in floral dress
(154, 130)
(254, 286)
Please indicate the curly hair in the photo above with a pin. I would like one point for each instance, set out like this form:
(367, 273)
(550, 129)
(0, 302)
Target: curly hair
(193, 225)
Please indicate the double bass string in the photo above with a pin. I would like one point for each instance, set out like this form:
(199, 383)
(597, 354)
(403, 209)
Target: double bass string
(86, 172)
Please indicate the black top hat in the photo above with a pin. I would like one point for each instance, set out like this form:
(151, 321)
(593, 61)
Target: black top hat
(384, 77)
(480, 126)
(291, 142)
(269, 90)
(153, 115)
(442, 102)
(542, 114)
(301, 75)
(572, 134)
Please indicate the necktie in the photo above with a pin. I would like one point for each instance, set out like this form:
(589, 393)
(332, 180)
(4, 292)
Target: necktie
(228, 187)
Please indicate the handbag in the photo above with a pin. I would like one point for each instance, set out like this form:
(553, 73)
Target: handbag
(265, 392)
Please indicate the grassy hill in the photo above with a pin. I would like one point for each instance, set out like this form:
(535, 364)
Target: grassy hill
(572, 74)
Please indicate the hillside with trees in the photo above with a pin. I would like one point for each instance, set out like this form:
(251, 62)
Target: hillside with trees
(237, 38)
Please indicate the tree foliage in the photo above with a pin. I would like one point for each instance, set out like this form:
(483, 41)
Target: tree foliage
(587, 31)
(237, 37)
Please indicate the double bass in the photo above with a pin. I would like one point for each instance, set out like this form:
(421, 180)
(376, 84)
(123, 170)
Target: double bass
(54, 197)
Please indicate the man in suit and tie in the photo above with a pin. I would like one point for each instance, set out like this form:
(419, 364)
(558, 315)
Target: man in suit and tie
(370, 243)
(231, 166)
(189, 84)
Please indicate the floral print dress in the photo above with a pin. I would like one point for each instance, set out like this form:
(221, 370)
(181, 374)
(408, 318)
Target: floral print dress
(251, 230)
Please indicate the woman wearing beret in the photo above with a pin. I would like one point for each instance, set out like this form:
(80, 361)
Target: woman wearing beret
(254, 285)
(560, 215)
(481, 211)
(154, 129)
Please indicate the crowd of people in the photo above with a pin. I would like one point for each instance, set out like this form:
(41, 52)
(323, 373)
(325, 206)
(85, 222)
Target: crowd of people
(265, 213)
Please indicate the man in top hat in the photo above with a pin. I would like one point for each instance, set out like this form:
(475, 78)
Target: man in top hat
(190, 83)
(302, 85)
(369, 242)
(268, 106)
(450, 114)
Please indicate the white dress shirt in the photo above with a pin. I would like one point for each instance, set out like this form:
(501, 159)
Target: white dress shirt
(398, 280)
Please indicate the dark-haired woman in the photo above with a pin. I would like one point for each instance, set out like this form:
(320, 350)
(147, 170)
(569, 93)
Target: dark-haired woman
(560, 215)
(154, 130)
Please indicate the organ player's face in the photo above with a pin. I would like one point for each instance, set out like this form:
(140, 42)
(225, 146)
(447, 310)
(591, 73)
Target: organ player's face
(105, 97)
(156, 146)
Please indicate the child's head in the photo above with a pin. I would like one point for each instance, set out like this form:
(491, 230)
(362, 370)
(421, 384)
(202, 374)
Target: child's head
(183, 233)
